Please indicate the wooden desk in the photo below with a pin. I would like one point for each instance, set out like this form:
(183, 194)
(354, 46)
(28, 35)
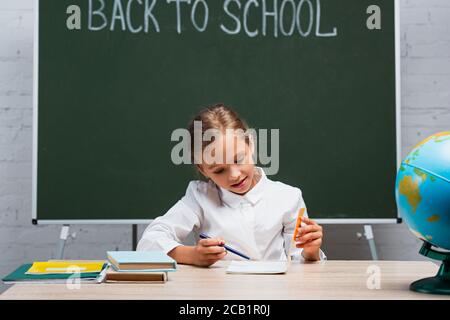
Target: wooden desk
(319, 280)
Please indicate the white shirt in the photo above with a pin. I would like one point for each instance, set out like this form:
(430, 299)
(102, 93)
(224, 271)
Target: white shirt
(259, 224)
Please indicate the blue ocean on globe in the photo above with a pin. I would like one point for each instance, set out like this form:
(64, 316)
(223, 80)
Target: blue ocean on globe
(423, 190)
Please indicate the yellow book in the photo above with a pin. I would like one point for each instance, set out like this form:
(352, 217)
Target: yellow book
(67, 266)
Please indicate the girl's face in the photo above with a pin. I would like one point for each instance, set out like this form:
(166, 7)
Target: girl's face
(236, 174)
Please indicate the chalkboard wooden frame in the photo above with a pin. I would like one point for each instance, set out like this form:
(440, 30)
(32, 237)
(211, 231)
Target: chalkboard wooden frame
(36, 220)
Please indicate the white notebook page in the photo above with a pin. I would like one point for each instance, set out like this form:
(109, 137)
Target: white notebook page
(257, 267)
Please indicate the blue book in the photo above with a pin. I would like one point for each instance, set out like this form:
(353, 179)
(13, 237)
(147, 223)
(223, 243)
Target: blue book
(146, 261)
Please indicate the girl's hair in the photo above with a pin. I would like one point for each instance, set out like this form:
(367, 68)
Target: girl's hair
(219, 117)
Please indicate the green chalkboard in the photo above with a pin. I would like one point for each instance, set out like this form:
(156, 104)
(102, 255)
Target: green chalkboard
(115, 78)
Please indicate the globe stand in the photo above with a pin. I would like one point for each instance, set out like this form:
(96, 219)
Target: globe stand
(439, 284)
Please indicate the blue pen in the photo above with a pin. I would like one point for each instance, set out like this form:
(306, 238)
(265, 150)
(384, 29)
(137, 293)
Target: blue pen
(204, 236)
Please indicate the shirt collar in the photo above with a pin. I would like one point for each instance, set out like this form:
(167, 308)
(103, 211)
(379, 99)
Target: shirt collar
(253, 196)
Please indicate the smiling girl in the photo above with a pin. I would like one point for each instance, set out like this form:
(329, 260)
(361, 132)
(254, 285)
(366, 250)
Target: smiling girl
(238, 205)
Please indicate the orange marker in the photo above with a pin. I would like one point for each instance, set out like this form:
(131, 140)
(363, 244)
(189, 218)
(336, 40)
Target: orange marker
(299, 221)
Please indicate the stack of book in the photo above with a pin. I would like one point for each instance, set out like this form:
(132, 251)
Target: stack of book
(139, 266)
(58, 271)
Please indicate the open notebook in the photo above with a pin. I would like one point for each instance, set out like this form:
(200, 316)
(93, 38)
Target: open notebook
(258, 267)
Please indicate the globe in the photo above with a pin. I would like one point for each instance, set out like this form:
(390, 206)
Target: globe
(423, 199)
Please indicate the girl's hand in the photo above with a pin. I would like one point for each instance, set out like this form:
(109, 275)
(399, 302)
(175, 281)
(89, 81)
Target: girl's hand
(310, 239)
(208, 252)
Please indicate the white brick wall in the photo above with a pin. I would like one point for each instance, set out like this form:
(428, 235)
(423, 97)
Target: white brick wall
(425, 65)
(425, 34)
